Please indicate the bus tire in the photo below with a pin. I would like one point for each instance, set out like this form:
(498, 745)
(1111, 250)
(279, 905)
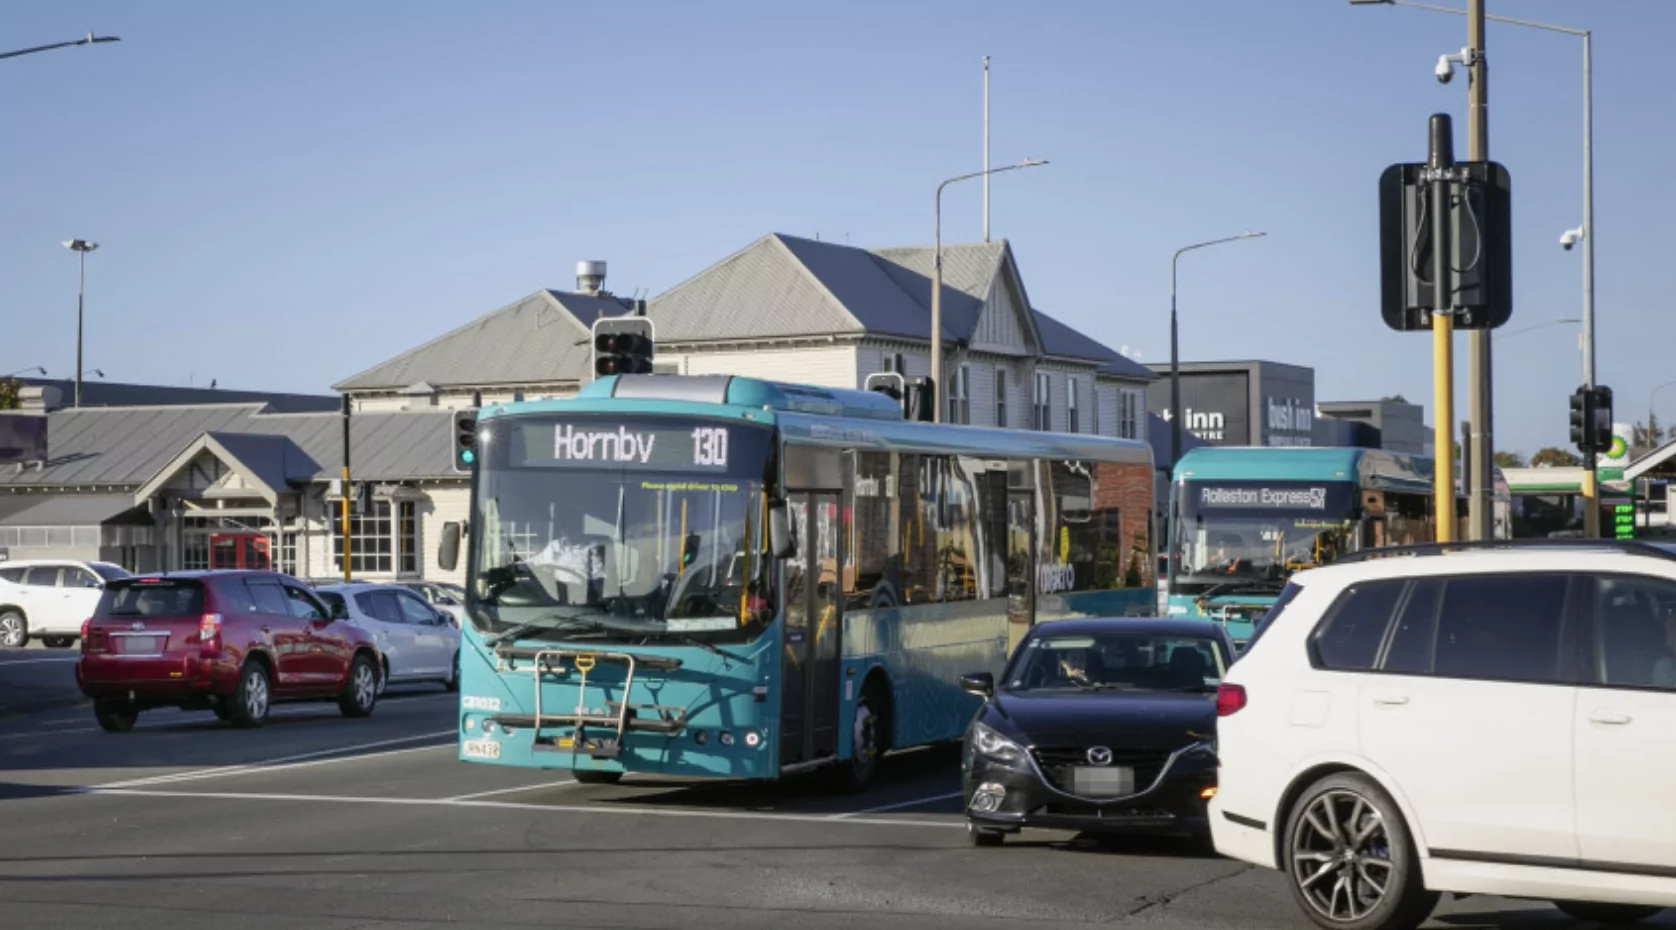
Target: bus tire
(869, 730)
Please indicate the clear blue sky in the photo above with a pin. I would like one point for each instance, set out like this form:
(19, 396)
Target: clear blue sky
(289, 193)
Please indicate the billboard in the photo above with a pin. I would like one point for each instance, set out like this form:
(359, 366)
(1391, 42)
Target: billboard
(23, 437)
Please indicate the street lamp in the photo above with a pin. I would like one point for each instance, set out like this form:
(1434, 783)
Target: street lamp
(937, 282)
(1175, 354)
(83, 247)
(35, 368)
(90, 39)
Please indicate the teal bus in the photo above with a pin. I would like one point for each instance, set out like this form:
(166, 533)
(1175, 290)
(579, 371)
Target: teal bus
(1243, 519)
(722, 577)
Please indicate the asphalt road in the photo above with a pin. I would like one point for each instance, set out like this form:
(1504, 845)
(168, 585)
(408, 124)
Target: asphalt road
(37, 679)
(322, 822)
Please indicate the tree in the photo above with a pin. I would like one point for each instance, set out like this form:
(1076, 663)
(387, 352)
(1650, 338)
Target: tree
(11, 394)
(1555, 457)
(1505, 459)
(1648, 436)
(1396, 398)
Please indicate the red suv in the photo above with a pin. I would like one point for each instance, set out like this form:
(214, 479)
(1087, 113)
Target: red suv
(229, 641)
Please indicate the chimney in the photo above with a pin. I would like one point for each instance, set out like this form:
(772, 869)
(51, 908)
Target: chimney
(590, 278)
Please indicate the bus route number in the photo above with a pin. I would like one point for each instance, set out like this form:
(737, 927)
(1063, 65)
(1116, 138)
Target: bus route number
(710, 446)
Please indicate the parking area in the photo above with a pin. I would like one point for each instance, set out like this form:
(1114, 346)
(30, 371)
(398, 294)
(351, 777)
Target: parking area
(326, 822)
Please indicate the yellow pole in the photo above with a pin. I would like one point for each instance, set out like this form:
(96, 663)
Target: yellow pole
(1591, 503)
(1443, 400)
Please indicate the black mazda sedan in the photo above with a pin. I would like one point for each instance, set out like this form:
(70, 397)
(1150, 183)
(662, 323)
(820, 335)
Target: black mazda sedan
(1097, 725)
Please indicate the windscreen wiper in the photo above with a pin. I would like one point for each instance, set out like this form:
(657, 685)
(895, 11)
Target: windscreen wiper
(566, 622)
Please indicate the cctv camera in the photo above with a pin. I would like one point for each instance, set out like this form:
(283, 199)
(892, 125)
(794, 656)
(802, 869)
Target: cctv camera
(1445, 70)
(1569, 238)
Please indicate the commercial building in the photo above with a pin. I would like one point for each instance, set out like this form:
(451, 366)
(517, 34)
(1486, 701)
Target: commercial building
(1244, 403)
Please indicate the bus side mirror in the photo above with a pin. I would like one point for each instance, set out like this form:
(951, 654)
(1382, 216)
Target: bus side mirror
(780, 539)
(448, 551)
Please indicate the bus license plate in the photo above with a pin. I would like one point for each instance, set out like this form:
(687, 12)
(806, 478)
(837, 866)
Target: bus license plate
(481, 749)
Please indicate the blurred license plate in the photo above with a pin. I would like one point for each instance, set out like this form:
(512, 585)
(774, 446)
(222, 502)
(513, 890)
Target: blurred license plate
(1109, 781)
(480, 749)
(139, 645)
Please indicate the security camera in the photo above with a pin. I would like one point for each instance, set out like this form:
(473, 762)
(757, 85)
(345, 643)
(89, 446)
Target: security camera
(1445, 70)
(1569, 238)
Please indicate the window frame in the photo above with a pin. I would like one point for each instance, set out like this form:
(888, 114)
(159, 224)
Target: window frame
(1073, 418)
(1590, 670)
(1570, 672)
(1330, 617)
(1001, 397)
(1042, 402)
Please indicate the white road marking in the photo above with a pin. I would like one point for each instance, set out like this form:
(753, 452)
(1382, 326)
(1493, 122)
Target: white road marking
(896, 807)
(288, 712)
(284, 762)
(488, 794)
(317, 799)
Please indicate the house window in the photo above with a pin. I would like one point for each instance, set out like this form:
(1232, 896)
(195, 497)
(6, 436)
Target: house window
(288, 554)
(375, 544)
(1129, 420)
(409, 537)
(960, 398)
(1044, 414)
(1071, 404)
(894, 362)
(1001, 397)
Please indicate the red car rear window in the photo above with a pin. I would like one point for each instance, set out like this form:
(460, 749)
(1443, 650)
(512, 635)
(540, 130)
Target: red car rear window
(152, 597)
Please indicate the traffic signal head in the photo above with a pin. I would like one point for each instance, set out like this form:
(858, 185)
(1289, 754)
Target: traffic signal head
(1581, 419)
(623, 346)
(1600, 418)
(465, 440)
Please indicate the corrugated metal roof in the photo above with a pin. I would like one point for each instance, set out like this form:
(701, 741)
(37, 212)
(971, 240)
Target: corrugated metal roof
(1062, 341)
(95, 393)
(63, 510)
(127, 446)
(541, 339)
(763, 291)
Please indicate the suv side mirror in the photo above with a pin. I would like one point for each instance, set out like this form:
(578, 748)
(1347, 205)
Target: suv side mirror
(448, 551)
(781, 543)
(981, 684)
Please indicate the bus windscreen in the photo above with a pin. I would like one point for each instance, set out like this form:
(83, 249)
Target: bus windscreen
(621, 530)
(1243, 536)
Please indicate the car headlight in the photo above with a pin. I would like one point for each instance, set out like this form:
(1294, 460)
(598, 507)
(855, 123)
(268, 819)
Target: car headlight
(995, 746)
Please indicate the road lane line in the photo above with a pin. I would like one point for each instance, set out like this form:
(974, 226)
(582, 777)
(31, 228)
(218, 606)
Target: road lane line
(276, 764)
(896, 807)
(489, 794)
(317, 799)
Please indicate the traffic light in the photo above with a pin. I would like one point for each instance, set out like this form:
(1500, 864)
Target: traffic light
(465, 440)
(1600, 413)
(1582, 419)
(623, 346)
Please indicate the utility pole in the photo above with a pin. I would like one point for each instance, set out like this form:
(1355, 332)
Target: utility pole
(346, 490)
(986, 148)
(1591, 492)
(1479, 471)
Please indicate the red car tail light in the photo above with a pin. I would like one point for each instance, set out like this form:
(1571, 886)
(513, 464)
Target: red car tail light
(85, 626)
(1230, 700)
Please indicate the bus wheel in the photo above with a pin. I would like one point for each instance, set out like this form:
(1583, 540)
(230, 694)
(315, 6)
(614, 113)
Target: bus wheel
(855, 774)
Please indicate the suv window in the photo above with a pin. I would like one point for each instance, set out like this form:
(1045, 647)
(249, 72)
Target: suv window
(414, 610)
(1350, 639)
(1635, 632)
(109, 572)
(303, 605)
(270, 599)
(155, 597)
(14, 575)
(77, 578)
(1410, 652)
(1497, 627)
(45, 576)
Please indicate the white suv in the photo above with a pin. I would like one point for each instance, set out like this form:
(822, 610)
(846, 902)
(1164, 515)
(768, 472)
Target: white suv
(1471, 718)
(47, 599)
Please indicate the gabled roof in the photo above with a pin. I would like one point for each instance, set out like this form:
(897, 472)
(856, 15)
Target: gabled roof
(129, 446)
(540, 339)
(269, 464)
(1651, 461)
(1061, 341)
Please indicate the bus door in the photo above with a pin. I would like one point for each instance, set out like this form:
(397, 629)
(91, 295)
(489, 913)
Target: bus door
(1021, 565)
(810, 661)
(240, 550)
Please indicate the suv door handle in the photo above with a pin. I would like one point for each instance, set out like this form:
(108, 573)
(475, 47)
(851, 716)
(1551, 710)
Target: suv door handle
(1610, 718)
(1390, 700)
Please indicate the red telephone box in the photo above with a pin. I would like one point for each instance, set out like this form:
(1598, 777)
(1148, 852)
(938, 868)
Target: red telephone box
(241, 550)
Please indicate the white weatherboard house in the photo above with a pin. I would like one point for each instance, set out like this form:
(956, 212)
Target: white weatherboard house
(190, 485)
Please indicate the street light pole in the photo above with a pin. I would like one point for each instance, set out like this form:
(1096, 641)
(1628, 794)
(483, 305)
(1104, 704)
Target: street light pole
(1508, 334)
(1175, 349)
(81, 246)
(90, 39)
(937, 280)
